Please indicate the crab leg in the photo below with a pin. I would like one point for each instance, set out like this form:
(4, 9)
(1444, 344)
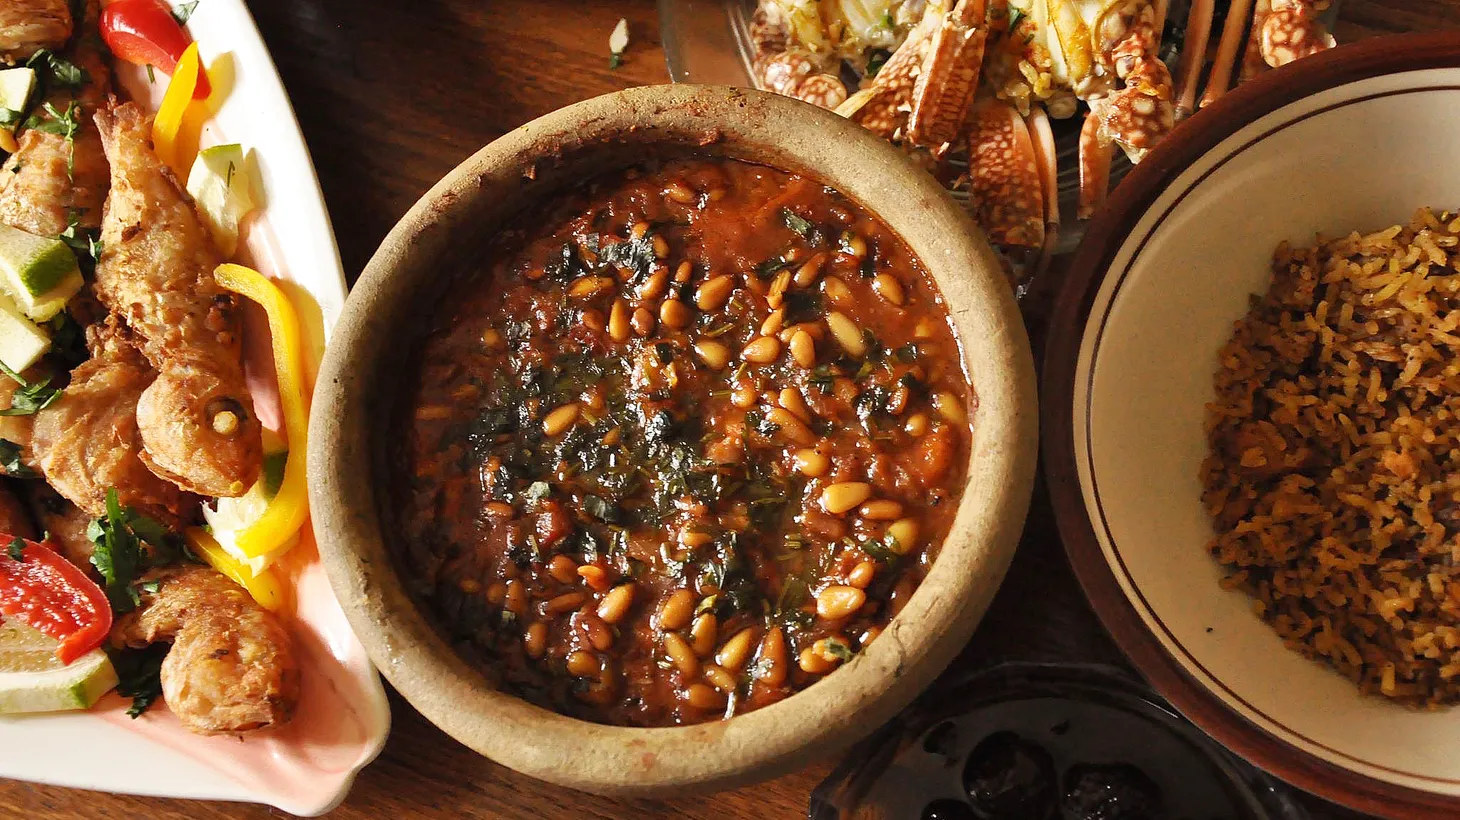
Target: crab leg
(1095, 157)
(1221, 74)
(1193, 55)
(949, 76)
(1046, 158)
(1291, 31)
(882, 107)
(1006, 192)
(1252, 60)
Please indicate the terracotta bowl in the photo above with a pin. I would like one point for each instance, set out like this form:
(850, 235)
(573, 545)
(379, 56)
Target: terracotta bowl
(1354, 139)
(372, 345)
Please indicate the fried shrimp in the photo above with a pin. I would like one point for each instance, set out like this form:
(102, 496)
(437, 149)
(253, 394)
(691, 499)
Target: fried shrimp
(27, 26)
(156, 272)
(231, 667)
(87, 442)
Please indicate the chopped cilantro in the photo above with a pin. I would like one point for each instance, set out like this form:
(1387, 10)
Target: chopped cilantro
(10, 117)
(797, 223)
(602, 509)
(11, 462)
(60, 70)
(838, 649)
(139, 675)
(771, 267)
(16, 549)
(876, 61)
(31, 397)
(183, 13)
(126, 544)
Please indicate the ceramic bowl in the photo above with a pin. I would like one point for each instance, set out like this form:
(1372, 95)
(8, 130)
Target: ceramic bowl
(372, 344)
(1356, 138)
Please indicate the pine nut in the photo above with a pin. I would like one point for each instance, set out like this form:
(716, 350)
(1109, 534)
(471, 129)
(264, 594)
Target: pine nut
(846, 333)
(499, 510)
(924, 329)
(949, 407)
(887, 286)
(661, 247)
(803, 349)
(534, 641)
(497, 593)
(772, 668)
(615, 604)
(776, 296)
(737, 649)
(843, 496)
(655, 286)
(681, 193)
(560, 419)
(583, 664)
(883, 509)
(917, 424)
(837, 291)
(790, 398)
(744, 396)
(701, 696)
(618, 321)
(612, 437)
(683, 272)
(592, 319)
(694, 539)
(837, 601)
(594, 576)
(807, 273)
(681, 654)
(515, 601)
(643, 321)
(676, 610)
(761, 350)
(773, 322)
(714, 292)
(674, 314)
(862, 574)
(855, 245)
(703, 634)
(719, 678)
(712, 353)
(492, 339)
(811, 463)
(792, 428)
(639, 229)
(563, 569)
(904, 534)
(587, 286)
(813, 664)
(598, 632)
(567, 602)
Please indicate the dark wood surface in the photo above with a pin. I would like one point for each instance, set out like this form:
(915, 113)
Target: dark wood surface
(391, 95)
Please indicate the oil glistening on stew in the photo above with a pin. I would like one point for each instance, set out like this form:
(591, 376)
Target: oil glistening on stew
(680, 443)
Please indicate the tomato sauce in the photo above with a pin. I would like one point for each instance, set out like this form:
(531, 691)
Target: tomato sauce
(680, 443)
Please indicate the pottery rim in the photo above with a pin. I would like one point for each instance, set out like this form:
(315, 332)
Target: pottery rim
(360, 375)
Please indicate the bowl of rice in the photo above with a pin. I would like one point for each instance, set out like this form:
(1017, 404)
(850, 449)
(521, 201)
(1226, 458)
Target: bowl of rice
(1252, 415)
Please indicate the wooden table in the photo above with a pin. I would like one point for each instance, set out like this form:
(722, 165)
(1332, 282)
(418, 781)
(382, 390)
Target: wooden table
(392, 95)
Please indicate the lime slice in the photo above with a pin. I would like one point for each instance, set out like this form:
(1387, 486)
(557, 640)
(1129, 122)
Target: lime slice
(21, 341)
(219, 183)
(32, 680)
(40, 274)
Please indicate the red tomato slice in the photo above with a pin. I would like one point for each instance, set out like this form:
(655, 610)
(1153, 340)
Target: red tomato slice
(144, 32)
(52, 595)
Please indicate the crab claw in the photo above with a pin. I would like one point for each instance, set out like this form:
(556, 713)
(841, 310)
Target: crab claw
(883, 106)
(1006, 192)
(949, 76)
(1095, 156)
(1292, 31)
(793, 73)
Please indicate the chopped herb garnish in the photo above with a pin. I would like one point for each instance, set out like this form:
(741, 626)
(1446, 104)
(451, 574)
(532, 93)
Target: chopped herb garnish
(664, 351)
(58, 69)
(876, 61)
(10, 117)
(636, 255)
(837, 649)
(795, 222)
(907, 353)
(31, 397)
(16, 549)
(11, 462)
(771, 267)
(602, 509)
(126, 544)
(884, 550)
(61, 123)
(1015, 15)
(183, 13)
(151, 75)
(615, 60)
(139, 675)
(537, 491)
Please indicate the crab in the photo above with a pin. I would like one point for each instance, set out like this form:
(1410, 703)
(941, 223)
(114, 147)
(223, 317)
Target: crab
(971, 85)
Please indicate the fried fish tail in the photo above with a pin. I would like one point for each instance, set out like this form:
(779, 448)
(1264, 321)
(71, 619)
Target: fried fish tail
(232, 666)
(197, 420)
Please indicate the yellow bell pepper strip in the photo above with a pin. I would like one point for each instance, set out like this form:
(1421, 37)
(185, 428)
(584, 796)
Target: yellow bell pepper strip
(167, 126)
(264, 587)
(289, 507)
